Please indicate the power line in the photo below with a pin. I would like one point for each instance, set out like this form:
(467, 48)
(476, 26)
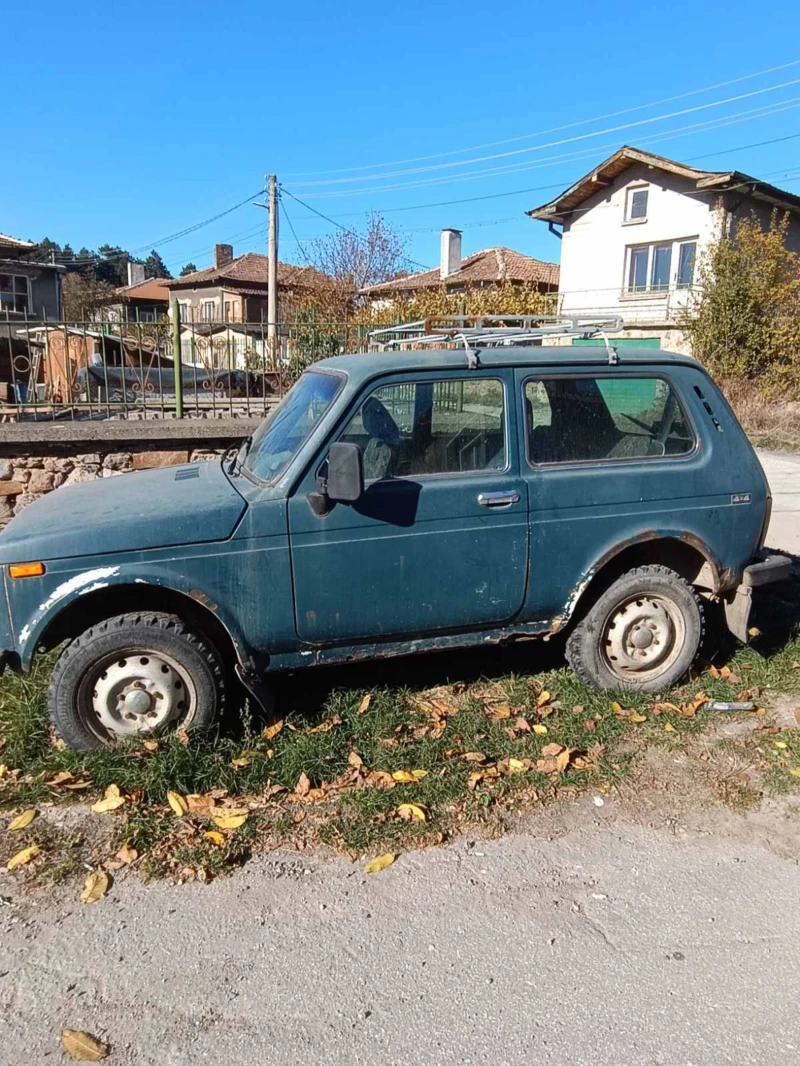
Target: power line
(557, 129)
(338, 225)
(568, 157)
(291, 227)
(564, 140)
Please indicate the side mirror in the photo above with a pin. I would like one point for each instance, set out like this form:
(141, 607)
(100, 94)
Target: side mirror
(345, 473)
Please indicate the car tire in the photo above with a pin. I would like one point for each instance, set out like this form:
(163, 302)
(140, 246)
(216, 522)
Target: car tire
(642, 633)
(132, 676)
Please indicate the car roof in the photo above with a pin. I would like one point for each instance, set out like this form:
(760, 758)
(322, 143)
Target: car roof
(361, 367)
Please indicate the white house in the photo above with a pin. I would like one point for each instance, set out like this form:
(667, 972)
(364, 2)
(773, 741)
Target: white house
(634, 228)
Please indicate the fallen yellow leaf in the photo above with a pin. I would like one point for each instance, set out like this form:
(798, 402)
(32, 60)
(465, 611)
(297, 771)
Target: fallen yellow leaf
(112, 799)
(409, 776)
(500, 711)
(363, 707)
(543, 698)
(376, 865)
(778, 744)
(229, 821)
(272, 730)
(411, 812)
(178, 804)
(22, 857)
(127, 854)
(516, 765)
(82, 1047)
(669, 727)
(795, 771)
(150, 745)
(214, 836)
(540, 730)
(240, 763)
(25, 819)
(96, 886)
(3, 769)
(616, 707)
(638, 718)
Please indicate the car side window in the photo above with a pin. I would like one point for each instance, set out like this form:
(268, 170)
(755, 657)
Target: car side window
(591, 419)
(409, 429)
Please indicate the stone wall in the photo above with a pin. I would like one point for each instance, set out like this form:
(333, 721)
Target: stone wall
(24, 478)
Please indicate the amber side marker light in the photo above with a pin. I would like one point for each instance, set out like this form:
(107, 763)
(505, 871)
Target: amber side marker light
(26, 570)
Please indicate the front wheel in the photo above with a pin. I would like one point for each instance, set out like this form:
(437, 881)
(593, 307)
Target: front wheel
(134, 675)
(642, 633)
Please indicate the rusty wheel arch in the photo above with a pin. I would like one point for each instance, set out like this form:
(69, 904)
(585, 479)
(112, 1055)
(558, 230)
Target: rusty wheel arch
(685, 553)
(196, 611)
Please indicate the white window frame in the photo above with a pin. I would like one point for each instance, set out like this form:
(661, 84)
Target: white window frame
(629, 220)
(680, 246)
(203, 306)
(13, 292)
(675, 245)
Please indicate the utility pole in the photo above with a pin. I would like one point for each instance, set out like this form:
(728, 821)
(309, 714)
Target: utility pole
(272, 275)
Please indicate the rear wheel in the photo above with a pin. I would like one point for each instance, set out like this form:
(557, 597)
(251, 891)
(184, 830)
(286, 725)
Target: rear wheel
(642, 633)
(134, 675)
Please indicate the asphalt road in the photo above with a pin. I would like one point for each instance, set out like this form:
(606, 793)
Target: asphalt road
(783, 473)
(605, 947)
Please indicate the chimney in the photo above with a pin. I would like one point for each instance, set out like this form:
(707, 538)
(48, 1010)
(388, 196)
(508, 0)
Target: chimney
(135, 273)
(450, 255)
(223, 253)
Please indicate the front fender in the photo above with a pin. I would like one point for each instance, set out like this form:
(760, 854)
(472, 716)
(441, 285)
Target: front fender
(36, 603)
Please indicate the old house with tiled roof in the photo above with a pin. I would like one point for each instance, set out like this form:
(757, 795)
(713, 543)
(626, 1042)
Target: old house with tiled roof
(491, 266)
(632, 232)
(30, 285)
(235, 289)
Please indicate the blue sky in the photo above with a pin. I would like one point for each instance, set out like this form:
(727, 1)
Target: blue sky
(128, 123)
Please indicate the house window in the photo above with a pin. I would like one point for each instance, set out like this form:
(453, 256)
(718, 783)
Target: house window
(649, 267)
(661, 266)
(14, 293)
(186, 312)
(227, 311)
(686, 257)
(208, 310)
(636, 205)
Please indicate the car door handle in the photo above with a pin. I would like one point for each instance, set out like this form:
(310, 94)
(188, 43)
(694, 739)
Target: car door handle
(498, 499)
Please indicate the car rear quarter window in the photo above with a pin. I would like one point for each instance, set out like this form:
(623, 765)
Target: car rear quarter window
(604, 419)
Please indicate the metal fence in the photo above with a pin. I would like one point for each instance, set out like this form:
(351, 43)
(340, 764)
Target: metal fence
(101, 370)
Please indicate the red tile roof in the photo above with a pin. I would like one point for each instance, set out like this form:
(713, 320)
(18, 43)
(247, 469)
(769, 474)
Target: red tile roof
(153, 289)
(252, 268)
(490, 265)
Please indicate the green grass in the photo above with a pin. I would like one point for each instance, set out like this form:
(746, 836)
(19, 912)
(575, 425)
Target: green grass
(389, 736)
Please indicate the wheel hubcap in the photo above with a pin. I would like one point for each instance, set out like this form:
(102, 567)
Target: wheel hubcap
(643, 636)
(139, 692)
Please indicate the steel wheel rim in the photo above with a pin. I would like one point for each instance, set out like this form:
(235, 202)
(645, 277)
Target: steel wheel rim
(643, 637)
(136, 691)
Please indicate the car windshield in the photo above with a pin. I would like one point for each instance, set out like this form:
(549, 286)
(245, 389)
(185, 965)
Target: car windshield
(279, 437)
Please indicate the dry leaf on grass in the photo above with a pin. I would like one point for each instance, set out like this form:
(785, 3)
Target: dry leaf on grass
(354, 759)
(23, 857)
(111, 801)
(83, 1047)
(303, 786)
(150, 745)
(22, 820)
(409, 776)
(376, 865)
(229, 821)
(272, 730)
(499, 711)
(214, 836)
(543, 698)
(540, 730)
(363, 707)
(411, 812)
(182, 736)
(240, 763)
(178, 804)
(97, 884)
(3, 769)
(127, 854)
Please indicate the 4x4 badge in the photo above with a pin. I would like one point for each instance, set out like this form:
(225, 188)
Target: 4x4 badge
(740, 497)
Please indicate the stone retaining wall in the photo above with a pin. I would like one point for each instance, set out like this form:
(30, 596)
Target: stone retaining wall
(24, 478)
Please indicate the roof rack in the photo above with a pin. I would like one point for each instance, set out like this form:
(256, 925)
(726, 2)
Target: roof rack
(482, 331)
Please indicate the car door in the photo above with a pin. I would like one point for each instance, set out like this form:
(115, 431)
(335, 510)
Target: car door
(613, 457)
(439, 539)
